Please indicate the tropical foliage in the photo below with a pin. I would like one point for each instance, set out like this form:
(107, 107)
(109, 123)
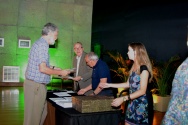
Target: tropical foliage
(122, 69)
(163, 73)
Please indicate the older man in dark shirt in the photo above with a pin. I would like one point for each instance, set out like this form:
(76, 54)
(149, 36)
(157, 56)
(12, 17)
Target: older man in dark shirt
(101, 74)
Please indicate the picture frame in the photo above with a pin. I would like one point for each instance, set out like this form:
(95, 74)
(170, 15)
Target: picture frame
(23, 43)
(1, 42)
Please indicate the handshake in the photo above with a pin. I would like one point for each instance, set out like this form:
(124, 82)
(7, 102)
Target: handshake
(66, 72)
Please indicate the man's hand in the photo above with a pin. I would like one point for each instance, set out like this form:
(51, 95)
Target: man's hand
(65, 72)
(78, 78)
(81, 91)
(57, 68)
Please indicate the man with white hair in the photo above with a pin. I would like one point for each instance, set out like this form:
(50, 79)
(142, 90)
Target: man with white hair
(101, 74)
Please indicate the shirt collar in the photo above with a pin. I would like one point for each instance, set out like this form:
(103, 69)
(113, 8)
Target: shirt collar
(97, 63)
(44, 40)
(78, 57)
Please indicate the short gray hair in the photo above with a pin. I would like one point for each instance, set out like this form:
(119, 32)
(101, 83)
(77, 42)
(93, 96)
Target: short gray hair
(92, 56)
(78, 43)
(49, 27)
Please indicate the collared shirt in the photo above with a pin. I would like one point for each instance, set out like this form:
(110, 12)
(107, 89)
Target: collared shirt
(38, 54)
(78, 63)
(101, 70)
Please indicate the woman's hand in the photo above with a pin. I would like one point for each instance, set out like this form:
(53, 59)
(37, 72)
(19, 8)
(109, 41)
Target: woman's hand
(117, 102)
(104, 85)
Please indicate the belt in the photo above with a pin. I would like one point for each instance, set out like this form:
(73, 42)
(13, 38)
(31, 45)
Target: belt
(43, 84)
(37, 82)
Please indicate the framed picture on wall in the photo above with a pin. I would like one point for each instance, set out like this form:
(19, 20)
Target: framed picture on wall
(23, 43)
(1, 42)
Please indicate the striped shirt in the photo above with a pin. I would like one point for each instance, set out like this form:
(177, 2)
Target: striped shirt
(38, 54)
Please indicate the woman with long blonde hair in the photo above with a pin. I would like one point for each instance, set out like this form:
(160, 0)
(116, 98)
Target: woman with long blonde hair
(139, 110)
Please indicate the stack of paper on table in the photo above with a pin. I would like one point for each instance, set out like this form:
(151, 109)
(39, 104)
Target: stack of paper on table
(65, 102)
(65, 99)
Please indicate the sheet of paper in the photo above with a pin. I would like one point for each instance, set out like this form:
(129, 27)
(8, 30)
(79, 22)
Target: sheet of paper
(70, 91)
(69, 77)
(61, 94)
(64, 104)
(61, 99)
(68, 99)
(66, 77)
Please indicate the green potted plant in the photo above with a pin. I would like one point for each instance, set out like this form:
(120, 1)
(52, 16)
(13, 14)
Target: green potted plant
(121, 70)
(163, 74)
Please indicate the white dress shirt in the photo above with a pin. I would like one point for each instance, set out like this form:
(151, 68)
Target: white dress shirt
(78, 63)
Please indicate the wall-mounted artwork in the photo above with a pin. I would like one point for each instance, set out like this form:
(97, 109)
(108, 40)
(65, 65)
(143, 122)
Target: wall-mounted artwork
(1, 42)
(23, 43)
